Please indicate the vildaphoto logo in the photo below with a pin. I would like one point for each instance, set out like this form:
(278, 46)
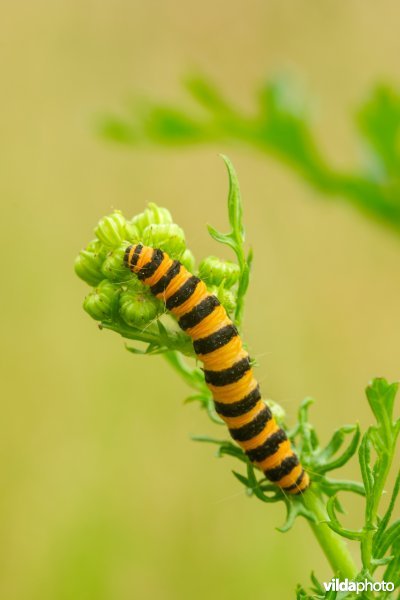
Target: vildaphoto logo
(335, 585)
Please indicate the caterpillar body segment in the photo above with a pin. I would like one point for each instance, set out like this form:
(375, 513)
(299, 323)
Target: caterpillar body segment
(227, 368)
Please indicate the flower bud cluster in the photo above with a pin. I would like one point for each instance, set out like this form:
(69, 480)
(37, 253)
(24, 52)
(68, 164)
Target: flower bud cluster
(117, 295)
(215, 271)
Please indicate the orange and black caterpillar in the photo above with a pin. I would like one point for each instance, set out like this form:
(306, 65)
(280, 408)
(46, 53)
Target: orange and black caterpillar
(227, 367)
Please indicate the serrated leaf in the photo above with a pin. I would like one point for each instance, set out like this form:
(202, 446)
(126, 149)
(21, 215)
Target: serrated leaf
(381, 396)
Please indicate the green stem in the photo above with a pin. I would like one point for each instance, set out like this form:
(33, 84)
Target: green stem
(173, 340)
(333, 546)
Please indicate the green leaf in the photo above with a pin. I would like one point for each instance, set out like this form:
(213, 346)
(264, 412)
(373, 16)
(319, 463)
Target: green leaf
(221, 238)
(151, 350)
(167, 124)
(336, 441)
(381, 396)
(332, 486)
(206, 94)
(387, 539)
(235, 210)
(336, 526)
(379, 121)
(196, 397)
(295, 508)
(364, 455)
(212, 412)
(383, 523)
(318, 589)
(392, 572)
(242, 479)
(117, 130)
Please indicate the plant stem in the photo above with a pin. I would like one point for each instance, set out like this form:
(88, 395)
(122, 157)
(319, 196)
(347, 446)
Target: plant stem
(333, 546)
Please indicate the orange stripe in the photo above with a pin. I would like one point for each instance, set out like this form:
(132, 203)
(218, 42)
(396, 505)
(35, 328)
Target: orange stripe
(176, 282)
(198, 295)
(144, 257)
(251, 390)
(162, 269)
(305, 482)
(226, 355)
(233, 391)
(276, 459)
(270, 427)
(235, 422)
(214, 321)
(291, 478)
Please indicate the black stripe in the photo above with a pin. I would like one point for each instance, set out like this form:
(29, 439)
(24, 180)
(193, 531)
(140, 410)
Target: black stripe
(286, 467)
(126, 255)
(135, 256)
(151, 267)
(268, 448)
(215, 340)
(163, 282)
(296, 483)
(247, 432)
(241, 407)
(230, 375)
(183, 294)
(199, 312)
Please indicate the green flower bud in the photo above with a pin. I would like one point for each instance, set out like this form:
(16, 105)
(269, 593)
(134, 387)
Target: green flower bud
(113, 267)
(111, 230)
(97, 248)
(102, 301)
(88, 267)
(167, 237)
(152, 215)
(215, 271)
(226, 297)
(138, 307)
(132, 233)
(188, 261)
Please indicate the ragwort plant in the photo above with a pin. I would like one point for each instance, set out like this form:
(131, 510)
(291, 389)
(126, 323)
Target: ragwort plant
(121, 303)
(281, 126)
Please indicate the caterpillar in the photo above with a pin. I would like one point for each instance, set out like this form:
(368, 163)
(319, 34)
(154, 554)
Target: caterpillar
(227, 368)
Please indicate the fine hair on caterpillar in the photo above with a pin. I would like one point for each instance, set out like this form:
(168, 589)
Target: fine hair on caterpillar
(226, 364)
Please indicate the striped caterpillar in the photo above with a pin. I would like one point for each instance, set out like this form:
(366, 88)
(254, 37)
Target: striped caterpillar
(227, 367)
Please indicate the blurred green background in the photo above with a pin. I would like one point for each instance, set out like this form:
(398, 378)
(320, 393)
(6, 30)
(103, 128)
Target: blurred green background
(103, 494)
